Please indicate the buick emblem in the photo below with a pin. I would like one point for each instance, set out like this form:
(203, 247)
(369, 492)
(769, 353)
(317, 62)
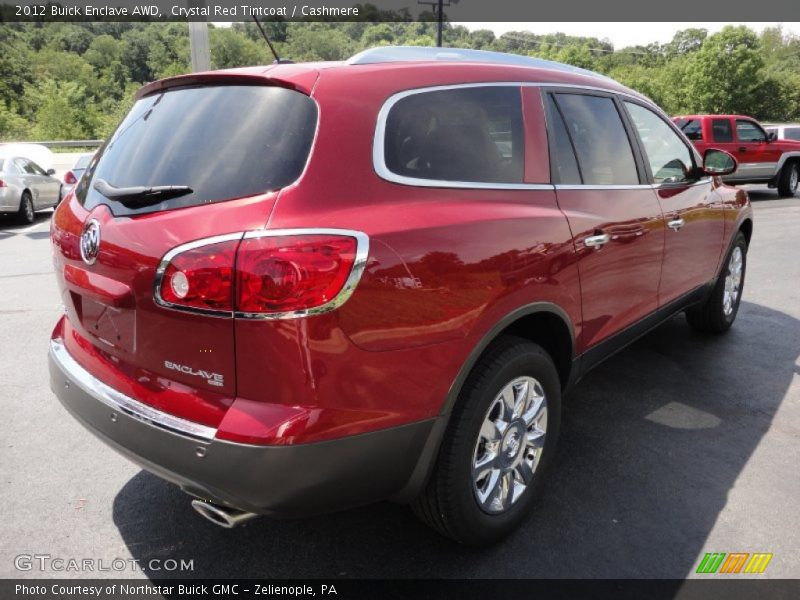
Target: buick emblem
(90, 241)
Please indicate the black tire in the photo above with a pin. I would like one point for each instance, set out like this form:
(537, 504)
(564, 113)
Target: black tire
(26, 214)
(60, 195)
(711, 316)
(449, 503)
(788, 179)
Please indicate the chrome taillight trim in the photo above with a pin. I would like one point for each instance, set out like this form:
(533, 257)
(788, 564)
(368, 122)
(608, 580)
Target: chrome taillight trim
(118, 401)
(360, 263)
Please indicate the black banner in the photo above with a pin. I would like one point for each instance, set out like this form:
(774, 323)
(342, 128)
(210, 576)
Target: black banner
(397, 10)
(350, 589)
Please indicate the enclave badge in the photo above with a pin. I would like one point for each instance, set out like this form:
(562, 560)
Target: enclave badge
(90, 241)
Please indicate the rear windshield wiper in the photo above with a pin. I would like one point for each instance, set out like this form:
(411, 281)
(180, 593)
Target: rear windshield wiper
(140, 195)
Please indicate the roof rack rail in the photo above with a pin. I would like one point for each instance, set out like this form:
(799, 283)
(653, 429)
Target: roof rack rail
(389, 54)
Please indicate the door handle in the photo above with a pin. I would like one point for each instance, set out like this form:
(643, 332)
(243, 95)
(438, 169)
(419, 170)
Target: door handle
(596, 241)
(742, 148)
(676, 224)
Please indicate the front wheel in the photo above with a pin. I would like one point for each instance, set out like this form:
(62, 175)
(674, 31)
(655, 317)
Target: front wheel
(718, 311)
(788, 179)
(500, 439)
(26, 212)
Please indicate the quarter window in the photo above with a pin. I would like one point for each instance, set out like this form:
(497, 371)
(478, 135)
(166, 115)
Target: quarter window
(721, 130)
(749, 131)
(692, 128)
(669, 158)
(466, 135)
(563, 163)
(602, 146)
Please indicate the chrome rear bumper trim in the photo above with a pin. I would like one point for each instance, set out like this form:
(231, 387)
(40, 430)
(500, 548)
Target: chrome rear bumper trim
(125, 404)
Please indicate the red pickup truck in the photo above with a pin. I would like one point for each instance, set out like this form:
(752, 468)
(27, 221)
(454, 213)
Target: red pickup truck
(762, 158)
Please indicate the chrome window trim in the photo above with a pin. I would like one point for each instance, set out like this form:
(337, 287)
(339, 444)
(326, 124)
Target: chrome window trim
(378, 141)
(357, 270)
(118, 401)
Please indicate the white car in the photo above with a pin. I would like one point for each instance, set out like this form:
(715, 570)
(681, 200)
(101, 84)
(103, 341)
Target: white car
(25, 188)
(784, 131)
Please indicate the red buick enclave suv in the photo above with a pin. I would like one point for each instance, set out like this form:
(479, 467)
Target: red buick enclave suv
(304, 287)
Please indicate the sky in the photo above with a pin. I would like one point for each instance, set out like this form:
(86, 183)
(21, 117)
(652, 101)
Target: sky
(621, 35)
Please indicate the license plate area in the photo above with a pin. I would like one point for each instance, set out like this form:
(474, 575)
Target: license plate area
(111, 326)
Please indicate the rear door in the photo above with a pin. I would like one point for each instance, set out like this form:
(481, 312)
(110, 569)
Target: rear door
(692, 208)
(234, 147)
(615, 219)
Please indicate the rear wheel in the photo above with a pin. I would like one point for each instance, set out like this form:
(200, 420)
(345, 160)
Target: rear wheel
(26, 213)
(789, 178)
(501, 436)
(717, 313)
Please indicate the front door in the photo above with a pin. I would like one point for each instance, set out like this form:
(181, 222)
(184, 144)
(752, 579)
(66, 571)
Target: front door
(692, 208)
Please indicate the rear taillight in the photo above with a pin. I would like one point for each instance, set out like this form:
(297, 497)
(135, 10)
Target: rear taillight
(2, 183)
(199, 278)
(265, 274)
(70, 178)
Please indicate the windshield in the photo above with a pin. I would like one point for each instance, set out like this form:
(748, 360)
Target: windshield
(223, 142)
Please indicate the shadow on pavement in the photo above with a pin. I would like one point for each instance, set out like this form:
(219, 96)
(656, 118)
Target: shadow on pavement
(652, 442)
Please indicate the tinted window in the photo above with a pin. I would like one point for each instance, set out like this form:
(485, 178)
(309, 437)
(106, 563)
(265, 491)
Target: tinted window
(563, 163)
(222, 141)
(25, 166)
(669, 158)
(599, 138)
(792, 133)
(747, 131)
(470, 135)
(83, 161)
(35, 169)
(721, 130)
(692, 128)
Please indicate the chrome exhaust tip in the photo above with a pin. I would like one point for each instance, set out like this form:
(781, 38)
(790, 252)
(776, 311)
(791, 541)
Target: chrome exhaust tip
(222, 515)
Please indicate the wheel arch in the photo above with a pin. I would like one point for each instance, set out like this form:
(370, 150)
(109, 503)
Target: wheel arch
(543, 323)
(746, 228)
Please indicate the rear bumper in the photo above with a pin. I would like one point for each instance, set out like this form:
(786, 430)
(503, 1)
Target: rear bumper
(291, 480)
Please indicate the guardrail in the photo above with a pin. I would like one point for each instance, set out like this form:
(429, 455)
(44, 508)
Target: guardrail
(71, 143)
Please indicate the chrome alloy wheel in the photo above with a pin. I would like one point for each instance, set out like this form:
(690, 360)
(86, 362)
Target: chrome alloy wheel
(733, 281)
(793, 179)
(509, 445)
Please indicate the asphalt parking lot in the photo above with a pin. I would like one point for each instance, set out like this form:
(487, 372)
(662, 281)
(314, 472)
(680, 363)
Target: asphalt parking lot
(682, 444)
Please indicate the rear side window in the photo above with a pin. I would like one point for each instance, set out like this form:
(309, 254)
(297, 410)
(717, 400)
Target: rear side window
(601, 143)
(692, 128)
(463, 135)
(563, 163)
(792, 133)
(747, 131)
(223, 142)
(721, 130)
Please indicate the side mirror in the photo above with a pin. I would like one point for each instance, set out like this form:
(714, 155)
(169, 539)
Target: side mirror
(771, 136)
(51, 171)
(718, 162)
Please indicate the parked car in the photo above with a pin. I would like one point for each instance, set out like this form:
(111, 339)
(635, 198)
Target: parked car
(25, 188)
(388, 302)
(762, 157)
(72, 176)
(41, 155)
(784, 131)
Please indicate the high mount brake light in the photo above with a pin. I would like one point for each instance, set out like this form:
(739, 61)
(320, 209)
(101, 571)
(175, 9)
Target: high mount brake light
(276, 274)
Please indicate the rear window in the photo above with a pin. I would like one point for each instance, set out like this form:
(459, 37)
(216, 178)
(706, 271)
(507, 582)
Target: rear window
(223, 142)
(466, 135)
